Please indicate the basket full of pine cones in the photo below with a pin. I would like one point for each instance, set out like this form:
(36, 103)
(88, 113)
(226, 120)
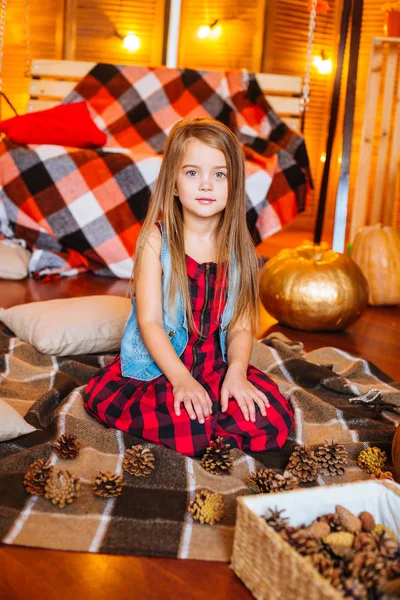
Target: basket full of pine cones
(321, 543)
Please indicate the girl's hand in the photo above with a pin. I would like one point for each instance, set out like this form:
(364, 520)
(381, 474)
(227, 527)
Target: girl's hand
(246, 395)
(194, 397)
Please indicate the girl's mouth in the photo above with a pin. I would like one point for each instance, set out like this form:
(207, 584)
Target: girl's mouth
(205, 200)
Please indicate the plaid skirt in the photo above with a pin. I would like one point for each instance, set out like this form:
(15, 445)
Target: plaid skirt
(145, 408)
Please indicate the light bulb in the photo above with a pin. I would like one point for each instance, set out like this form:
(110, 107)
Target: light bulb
(215, 32)
(323, 65)
(204, 31)
(131, 42)
(322, 158)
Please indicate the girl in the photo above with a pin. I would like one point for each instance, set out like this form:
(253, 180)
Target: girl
(183, 376)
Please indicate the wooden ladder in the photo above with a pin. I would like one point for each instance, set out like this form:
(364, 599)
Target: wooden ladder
(375, 189)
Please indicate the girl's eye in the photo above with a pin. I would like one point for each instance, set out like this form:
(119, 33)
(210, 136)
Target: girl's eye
(192, 173)
(220, 175)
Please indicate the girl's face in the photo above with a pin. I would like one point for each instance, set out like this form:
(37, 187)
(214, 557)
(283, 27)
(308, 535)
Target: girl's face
(202, 182)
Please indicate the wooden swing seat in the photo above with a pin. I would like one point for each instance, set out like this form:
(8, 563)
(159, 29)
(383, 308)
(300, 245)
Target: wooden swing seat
(52, 80)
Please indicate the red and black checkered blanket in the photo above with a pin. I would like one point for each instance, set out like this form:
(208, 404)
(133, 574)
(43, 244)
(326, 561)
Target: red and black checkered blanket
(81, 209)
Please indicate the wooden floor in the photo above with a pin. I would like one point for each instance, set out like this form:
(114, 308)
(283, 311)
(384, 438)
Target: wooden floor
(52, 575)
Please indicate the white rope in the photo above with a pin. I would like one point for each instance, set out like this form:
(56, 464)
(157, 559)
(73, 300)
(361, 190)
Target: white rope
(305, 99)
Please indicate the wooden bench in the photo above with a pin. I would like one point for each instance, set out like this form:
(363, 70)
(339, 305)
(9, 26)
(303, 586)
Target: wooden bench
(52, 80)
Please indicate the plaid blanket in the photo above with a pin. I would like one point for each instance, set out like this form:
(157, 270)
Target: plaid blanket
(150, 517)
(81, 209)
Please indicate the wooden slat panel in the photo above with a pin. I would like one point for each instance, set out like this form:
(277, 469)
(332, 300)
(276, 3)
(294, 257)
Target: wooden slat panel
(389, 87)
(285, 53)
(372, 26)
(50, 89)
(68, 69)
(238, 47)
(292, 123)
(34, 105)
(271, 82)
(367, 136)
(394, 173)
(284, 105)
(98, 21)
(45, 42)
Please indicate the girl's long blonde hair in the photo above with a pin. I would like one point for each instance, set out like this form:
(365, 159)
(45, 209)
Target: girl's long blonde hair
(232, 235)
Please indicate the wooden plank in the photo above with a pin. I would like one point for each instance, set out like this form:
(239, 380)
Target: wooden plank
(361, 191)
(269, 82)
(63, 69)
(69, 38)
(284, 105)
(50, 89)
(34, 105)
(292, 122)
(379, 188)
(394, 174)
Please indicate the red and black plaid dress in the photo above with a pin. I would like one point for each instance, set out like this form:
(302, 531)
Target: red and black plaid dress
(146, 408)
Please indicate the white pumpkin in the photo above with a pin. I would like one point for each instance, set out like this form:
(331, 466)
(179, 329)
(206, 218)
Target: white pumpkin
(376, 250)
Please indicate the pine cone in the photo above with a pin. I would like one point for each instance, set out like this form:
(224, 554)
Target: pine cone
(108, 485)
(138, 461)
(217, 458)
(62, 488)
(36, 477)
(386, 545)
(326, 567)
(371, 459)
(265, 481)
(303, 464)
(333, 521)
(274, 520)
(368, 567)
(393, 571)
(332, 458)
(353, 588)
(364, 542)
(305, 545)
(66, 447)
(207, 507)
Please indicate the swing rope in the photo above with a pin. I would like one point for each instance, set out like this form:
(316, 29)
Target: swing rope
(2, 28)
(305, 98)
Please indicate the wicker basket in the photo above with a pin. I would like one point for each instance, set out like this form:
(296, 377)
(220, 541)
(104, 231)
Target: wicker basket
(269, 567)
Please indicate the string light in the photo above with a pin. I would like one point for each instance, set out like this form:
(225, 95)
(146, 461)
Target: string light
(323, 64)
(131, 42)
(212, 31)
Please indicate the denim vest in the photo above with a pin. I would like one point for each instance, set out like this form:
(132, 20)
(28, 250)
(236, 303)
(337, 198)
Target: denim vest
(136, 360)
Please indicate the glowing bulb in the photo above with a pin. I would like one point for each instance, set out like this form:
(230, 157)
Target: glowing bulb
(215, 32)
(322, 158)
(323, 65)
(339, 160)
(204, 31)
(131, 42)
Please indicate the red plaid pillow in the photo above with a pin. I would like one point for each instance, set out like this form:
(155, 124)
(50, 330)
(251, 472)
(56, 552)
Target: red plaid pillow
(63, 125)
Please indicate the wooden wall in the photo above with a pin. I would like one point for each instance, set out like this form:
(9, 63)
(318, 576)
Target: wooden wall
(95, 24)
(97, 21)
(45, 42)
(285, 52)
(240, 44)
(258, 35)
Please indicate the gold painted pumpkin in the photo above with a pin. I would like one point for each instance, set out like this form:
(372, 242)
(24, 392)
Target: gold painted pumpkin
(376, 250)
(313, 288)
(396, 453)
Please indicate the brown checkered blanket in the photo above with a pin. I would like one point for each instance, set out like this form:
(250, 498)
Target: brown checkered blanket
(333, 393)
(81, 209)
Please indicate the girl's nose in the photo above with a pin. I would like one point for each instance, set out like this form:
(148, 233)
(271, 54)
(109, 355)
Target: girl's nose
(205, 184)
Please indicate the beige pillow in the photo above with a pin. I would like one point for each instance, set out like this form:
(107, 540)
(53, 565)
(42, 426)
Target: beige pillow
(70, 326)
(12, 425)
(14, 261)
